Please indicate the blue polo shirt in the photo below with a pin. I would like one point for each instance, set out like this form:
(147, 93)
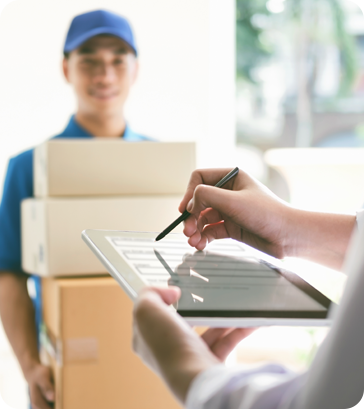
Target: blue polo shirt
(18, 186)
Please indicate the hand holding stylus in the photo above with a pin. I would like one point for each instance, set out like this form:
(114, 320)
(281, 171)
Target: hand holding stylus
(185, 214)
(244, 210)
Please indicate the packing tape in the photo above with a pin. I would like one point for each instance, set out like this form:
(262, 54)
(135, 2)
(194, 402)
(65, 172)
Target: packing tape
(71, 350)
(77, 350)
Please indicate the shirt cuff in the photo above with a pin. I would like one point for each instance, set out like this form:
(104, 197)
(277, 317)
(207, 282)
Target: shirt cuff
(355, 245)
(211, 384)
(360, 219)
(199, 392)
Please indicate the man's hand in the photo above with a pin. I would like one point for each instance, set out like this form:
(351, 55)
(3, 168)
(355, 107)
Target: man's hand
(170, 347)
(41, 387)
(18, 318)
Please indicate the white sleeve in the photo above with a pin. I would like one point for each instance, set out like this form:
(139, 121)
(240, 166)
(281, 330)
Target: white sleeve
(355, 245)
(336, 376)
(269, 387)
(335, 379)
(360, 219)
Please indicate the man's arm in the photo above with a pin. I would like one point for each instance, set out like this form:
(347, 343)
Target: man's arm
(18, 318)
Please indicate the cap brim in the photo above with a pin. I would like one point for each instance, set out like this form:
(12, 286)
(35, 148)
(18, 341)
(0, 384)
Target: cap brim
(72, 45)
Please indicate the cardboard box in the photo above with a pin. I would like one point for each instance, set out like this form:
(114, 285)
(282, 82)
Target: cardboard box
(51, 229)
(90, 322)
(99, 166)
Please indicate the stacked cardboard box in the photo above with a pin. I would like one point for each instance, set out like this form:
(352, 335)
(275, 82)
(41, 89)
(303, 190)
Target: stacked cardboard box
(104, 184)
(51, 228)
(89, 335)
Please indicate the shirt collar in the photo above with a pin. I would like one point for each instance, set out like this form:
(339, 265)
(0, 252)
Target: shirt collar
(74, 130)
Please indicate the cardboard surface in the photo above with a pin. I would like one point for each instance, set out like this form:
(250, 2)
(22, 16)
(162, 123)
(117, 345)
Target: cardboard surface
(51, 229)
(107, 166)
(91, 319)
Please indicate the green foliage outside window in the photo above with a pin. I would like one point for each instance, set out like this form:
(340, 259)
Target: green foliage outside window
(299, 16)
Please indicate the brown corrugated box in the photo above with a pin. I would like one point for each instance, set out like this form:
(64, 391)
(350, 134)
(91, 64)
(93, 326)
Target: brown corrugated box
(89, 326)
(103, 166)
(51, 229)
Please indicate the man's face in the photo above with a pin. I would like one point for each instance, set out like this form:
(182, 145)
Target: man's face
(101, 71)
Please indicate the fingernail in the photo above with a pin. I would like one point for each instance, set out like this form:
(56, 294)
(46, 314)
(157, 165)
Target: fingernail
(175, 288)
(190, 205)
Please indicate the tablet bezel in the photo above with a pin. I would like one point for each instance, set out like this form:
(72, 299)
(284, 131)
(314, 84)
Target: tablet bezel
(132, 284)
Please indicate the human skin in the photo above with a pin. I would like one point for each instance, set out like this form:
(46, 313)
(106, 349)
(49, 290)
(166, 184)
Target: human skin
(17, 316)
(249, 212)
(169, 346)
(101, 73)
(246, 211)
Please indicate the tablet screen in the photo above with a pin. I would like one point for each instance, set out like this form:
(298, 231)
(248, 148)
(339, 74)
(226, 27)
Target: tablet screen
(226, 280)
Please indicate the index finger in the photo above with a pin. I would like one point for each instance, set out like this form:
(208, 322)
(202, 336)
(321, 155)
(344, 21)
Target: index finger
(201, 177)
(223, 340)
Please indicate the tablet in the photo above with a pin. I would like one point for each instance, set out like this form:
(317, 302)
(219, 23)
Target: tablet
(227, 284)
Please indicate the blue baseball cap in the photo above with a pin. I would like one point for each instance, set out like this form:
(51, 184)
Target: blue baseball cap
(93, 23)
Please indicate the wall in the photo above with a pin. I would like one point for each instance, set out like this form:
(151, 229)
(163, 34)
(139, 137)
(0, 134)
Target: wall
(185, 90)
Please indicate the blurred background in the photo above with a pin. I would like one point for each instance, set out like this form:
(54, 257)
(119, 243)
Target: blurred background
(300, 79)
(275, 87)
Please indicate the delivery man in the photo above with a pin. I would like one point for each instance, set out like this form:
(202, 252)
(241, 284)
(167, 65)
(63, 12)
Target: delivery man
(100, 62)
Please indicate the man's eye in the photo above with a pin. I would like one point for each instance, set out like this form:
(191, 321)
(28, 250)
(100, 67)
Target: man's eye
(119, 61)
(89, 62)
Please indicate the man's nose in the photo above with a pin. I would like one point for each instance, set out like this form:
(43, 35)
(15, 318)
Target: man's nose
(105, 73)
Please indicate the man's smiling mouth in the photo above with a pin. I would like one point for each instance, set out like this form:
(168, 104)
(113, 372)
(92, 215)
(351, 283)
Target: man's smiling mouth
(104, 94)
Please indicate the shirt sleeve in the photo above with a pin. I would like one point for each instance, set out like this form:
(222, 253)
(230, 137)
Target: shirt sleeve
(336, 376)
(360, 219)
(335, 379)
(269, 387)
(18, 185)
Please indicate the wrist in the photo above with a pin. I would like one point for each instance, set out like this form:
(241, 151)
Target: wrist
(294, 239)
(319, 237)
(28, 365)
(181, 376)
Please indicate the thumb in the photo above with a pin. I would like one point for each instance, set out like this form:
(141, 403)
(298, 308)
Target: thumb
(169, 295)
(206, 196)
(47, 388)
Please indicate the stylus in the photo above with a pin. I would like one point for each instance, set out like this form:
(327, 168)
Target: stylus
(185, 214)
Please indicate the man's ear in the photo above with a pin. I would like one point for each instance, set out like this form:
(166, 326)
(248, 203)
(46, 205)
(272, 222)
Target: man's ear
(65, 70)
